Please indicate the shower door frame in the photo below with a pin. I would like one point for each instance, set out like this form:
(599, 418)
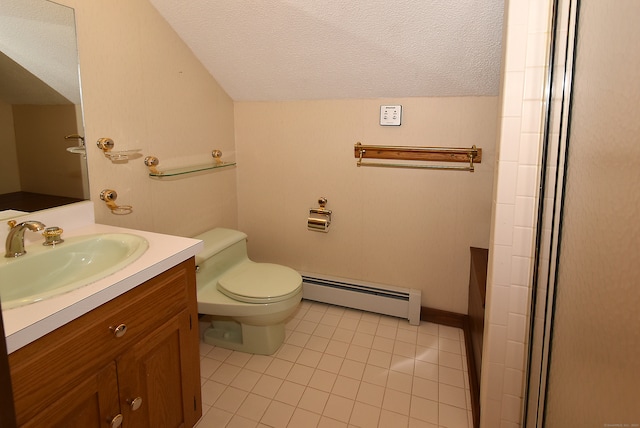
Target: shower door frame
(550, 206)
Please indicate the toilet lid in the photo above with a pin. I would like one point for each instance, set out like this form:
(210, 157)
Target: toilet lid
(260, 283)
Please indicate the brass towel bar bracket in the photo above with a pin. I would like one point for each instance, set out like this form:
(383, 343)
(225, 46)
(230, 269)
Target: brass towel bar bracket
(471, 156)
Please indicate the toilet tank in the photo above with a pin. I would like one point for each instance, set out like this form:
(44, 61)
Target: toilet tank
(223, 249)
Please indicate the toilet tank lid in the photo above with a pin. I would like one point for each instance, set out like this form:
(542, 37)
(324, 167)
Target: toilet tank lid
(216, 240)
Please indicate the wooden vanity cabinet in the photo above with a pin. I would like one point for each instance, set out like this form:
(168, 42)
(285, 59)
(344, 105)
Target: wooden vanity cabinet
(92, 403)
(132, 362)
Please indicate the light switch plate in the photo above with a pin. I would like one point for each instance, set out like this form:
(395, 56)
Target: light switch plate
(390, 115)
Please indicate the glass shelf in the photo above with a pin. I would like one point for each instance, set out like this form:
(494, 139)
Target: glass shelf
(174, 172)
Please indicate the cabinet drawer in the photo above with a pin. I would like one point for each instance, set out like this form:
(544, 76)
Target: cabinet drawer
(64, 357)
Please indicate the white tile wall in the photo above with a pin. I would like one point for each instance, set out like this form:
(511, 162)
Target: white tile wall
(514, 211)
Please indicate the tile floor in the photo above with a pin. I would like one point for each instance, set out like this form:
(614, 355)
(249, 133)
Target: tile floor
(341, 367)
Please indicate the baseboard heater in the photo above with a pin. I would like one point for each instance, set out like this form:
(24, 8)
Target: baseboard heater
(387, 300)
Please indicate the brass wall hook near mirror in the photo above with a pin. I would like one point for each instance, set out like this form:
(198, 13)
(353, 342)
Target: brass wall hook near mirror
(109, 197)
(78, 137)
(80, 148)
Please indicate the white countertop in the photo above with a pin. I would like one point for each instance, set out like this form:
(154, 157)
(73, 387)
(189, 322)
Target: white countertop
(7, 214)
(27, 323)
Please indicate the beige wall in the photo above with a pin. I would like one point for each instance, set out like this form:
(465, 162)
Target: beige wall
(403, 227)
(9, 172)
(144, 88)
(45, 166)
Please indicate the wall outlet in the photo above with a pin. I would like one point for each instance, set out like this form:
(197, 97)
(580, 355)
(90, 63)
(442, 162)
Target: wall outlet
(390, 115)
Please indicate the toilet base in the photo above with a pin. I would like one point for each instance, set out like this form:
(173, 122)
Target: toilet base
(253, 339)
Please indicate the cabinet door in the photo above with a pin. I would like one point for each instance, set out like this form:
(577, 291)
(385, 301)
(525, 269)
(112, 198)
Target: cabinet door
(91, 404)
(159, 377)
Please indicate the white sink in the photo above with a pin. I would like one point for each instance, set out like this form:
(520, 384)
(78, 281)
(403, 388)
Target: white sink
(44, 272)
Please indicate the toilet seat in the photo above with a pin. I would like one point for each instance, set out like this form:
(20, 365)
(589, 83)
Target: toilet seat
(260, 283)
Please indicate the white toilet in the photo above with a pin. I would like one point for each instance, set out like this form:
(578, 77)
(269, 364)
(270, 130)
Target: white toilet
(248, 301)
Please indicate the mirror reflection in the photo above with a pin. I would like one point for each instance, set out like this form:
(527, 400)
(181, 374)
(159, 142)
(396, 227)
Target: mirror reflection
(42, 160)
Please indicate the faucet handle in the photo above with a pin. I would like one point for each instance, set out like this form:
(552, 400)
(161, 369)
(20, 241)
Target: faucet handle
(12, 224)
(52, 236)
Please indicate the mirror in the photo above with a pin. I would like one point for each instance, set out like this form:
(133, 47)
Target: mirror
(42, 160)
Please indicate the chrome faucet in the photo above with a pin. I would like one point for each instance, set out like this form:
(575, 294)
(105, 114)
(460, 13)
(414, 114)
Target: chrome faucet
(15, 238)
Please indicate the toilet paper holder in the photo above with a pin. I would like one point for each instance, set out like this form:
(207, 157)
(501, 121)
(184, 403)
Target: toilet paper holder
(319, 218)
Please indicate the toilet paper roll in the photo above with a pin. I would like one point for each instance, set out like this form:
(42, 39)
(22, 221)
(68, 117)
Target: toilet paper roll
(318, 224)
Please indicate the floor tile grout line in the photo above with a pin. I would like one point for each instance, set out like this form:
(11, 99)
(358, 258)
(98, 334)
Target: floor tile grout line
(337, 322)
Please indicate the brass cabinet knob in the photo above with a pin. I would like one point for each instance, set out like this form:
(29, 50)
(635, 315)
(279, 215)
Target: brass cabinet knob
(119, 330)
(116, 421)
(135, 403)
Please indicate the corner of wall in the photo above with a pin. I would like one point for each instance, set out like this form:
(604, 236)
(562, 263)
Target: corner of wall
(527, 26)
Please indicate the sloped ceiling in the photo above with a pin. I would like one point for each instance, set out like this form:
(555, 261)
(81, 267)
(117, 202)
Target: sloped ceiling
(18, 86)
(307, 49)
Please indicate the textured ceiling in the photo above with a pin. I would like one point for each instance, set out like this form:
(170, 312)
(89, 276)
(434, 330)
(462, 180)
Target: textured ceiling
(308, 49)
